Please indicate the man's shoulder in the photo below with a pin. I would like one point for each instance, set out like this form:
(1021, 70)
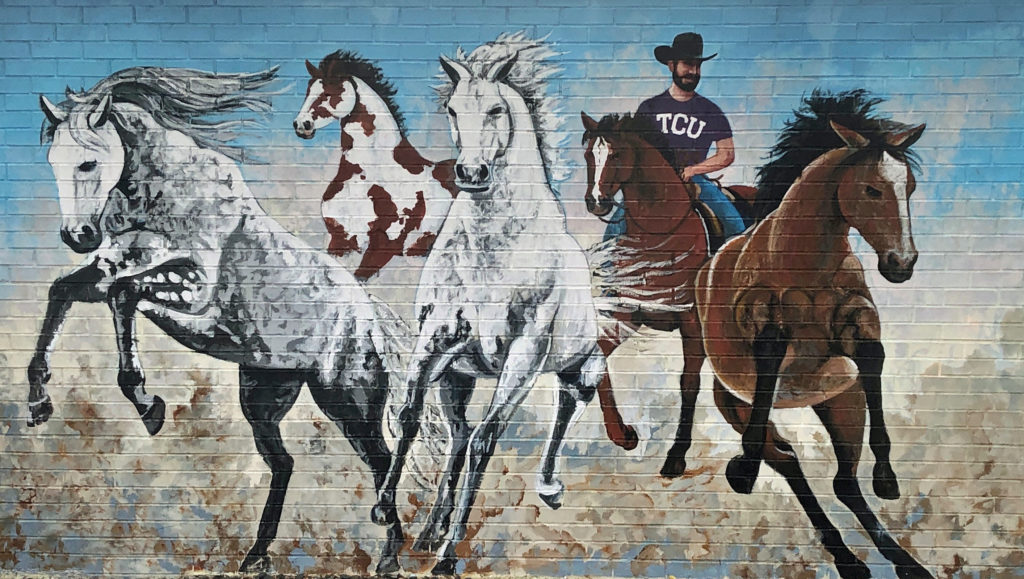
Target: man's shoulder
(704, 102)
(653, 102)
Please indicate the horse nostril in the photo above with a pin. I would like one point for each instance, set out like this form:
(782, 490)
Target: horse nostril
(295, 125)
(485, 174)
(307, 125)
(460, 172)
(87, 233)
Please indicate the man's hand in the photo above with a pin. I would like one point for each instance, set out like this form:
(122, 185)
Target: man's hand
(687, 173)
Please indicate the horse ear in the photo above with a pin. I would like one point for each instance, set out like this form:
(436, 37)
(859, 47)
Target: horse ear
(852, 138)
(312, 70)
(453, 69)
(906, 138)
(589, 124)
(52, 112)
(100, 116)
(500, 70)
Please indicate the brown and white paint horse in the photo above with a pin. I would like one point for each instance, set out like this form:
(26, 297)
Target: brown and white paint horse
(386, 200)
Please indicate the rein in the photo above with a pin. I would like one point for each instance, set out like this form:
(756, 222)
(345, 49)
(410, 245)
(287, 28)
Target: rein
(669, 232)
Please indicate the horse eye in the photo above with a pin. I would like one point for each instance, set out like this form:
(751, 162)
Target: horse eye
(873, 193)
(495, 111)
(451, 112)
(87, 166)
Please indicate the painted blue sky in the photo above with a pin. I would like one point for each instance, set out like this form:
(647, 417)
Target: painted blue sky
(951, 64)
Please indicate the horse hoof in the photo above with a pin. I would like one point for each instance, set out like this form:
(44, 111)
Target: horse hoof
(429, 541)
(153, 418)
(445, 566)
(629, 439)
(388, 566)
(256, 564)
(673, 467)
(913, 571)
(742, 473)
(40, 411)
(554, 501)
(885, 483)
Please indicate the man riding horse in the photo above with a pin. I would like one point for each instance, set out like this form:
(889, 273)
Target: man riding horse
(690, 124)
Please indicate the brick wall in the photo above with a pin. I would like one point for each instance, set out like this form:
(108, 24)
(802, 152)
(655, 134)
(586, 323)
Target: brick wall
(90, 492)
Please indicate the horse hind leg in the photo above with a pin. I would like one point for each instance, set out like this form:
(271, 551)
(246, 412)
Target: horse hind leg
(363, 426)
(266, 396)
(577, 386)
(455, 391)
(780, 456)
(843, 417)
(689, 387)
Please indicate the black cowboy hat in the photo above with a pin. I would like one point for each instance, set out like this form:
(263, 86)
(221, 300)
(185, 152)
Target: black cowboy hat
(685, 46)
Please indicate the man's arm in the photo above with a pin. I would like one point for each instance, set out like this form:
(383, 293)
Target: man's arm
(723, 157)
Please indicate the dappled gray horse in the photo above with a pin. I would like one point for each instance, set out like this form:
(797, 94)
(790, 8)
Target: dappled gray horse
(150, 191)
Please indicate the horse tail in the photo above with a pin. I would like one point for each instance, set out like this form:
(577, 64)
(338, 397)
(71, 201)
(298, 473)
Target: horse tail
(431, 444)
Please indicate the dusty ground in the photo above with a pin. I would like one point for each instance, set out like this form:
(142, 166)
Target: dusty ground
(89, 492)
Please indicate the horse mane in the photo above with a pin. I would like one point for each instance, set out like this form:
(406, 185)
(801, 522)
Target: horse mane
(808, 135)
(529, 77)
(642, 126)
(344, 64)
(182, 99)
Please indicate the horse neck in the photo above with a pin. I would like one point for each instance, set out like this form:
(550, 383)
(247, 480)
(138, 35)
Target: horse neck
(165, 167)
(369, 129)
(809, 218)
(654, 189)
(524, 163)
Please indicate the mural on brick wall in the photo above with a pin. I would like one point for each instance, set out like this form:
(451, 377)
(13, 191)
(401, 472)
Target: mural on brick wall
(454, 318)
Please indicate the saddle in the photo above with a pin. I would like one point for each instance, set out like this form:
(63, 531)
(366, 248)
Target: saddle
(741, 197)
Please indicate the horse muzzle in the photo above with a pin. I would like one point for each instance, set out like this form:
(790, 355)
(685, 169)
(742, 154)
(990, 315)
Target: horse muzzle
(304, 128)
(599, 207)
(897, 267)
(81, 238)
(473, 178)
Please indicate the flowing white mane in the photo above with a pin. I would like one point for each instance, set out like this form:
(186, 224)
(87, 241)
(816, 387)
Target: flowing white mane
(529, 77)
(182, 99)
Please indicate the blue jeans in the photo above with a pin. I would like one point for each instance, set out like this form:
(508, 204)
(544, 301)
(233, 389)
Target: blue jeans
(711, 195)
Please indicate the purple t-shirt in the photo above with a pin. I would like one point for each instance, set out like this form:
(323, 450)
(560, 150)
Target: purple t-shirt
(689, 127)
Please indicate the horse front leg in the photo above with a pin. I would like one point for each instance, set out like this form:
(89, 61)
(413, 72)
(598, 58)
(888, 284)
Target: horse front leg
(523, 362)
(860, 337)
(81, 285)
(435, 349)
(759, 312)
(576, 389)
(620, 433)
(123, 299)
(689, 387)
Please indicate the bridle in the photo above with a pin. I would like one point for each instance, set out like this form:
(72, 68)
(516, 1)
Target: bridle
(627, 216)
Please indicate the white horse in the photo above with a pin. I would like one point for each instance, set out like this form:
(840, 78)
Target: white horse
(505, 292)
(150, 191)
(386, 200)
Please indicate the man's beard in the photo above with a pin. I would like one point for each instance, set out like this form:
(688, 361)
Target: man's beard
(686, 83)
